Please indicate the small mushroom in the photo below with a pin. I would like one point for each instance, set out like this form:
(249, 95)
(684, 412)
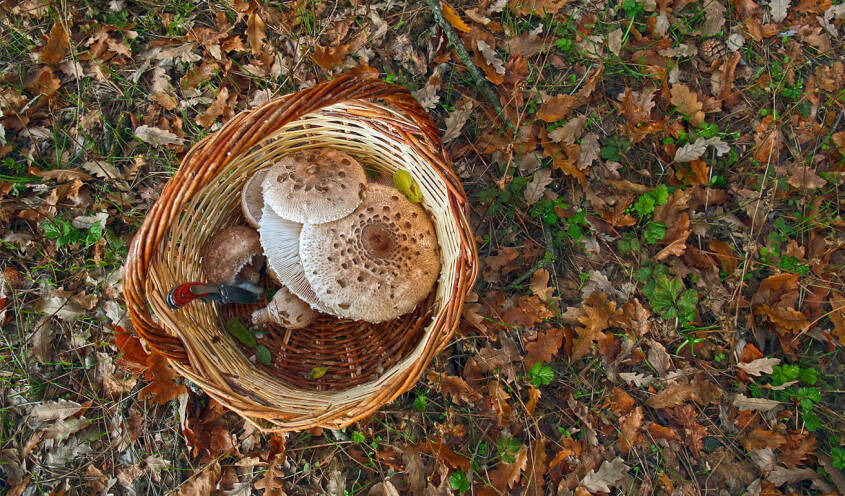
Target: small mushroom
(252, 198)
(314, 186)
(285, 310)
(233, 256)
(280, 240)
(375, 264)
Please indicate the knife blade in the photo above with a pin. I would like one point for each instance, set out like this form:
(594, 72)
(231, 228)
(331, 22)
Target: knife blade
(183, 294)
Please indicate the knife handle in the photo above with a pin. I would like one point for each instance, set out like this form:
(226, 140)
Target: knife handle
(181, 295)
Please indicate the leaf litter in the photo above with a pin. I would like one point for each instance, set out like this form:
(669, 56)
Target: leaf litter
(612, 319)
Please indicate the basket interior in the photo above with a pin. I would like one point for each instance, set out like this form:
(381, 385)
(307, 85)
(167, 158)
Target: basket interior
(359, 357)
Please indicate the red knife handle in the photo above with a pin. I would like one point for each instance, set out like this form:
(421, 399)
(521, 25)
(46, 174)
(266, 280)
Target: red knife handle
(181, 295)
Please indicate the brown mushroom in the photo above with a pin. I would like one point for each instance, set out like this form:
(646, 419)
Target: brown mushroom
(314, 186)
(285, 310)
(233, 256)
(375, 264)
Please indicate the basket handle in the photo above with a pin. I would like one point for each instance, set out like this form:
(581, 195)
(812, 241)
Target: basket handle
(209, 157)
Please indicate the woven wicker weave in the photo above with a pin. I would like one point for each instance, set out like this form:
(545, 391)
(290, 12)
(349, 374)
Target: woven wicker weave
(367, 365)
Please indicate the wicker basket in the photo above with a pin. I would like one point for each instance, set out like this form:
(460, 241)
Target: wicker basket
(366, 365)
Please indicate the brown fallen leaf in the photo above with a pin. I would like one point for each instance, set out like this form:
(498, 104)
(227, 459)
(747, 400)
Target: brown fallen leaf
(533, 396)
(329, 57)
(214, 110)
(786, 318)
(761, 438)
(539, 285)
(687, 102)
(455, 387)
(609, 474)
(506, 475)
(699, 390)
(544, 348)
(629, 431)
(759, 366)
(536, 468)
(203, 484)
(255, 32)
(453, 18)
(57, 45)
(162, 377)
(557, 107)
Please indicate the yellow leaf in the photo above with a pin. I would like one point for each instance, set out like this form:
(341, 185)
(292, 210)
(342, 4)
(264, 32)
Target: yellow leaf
(453, 18)
(407, 185)
(317, 372)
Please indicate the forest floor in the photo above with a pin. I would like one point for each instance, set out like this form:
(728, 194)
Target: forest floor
(658, 211)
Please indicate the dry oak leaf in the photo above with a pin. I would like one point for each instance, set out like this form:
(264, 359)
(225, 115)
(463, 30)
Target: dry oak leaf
(538, 7)
(629, 432)
(490, 56)
(677, 248)
(536, 188)
(255, 32)
(742, 402)
(533, 396)
(544, 348)
(506, 475)
(203, 484)
(539, 285)
(455, 387)
(214, 110)
(609, 474)
(272, 480)
(785, 318)
(455, 122)
(454, 19)
(557, 107)
(699, 390)
(442, 452)
(329, 57)
(156, 136)
(759, 366)
(597, 314)
(687, 102)
(536, 468)
(528, 311)
(761, 438)
(57, 45)
(805, 178)
(162, 387)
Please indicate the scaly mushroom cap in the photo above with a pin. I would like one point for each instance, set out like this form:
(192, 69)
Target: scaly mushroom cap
(226, 253)
(315, 186)
(285, 310)
(252, 198)
(377, 263)
(280, 240)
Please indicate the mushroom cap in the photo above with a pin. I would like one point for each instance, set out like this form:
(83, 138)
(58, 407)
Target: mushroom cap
(377, 263)
(252, 198)
(315, 186)
(285, 310)
(226, 253)
(280, 240)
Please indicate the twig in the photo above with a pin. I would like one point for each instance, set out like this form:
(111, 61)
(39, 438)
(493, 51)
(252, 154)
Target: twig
(480, 82)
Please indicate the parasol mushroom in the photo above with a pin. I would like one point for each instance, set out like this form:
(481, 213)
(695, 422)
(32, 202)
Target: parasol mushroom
(314, 186)
(375, 264)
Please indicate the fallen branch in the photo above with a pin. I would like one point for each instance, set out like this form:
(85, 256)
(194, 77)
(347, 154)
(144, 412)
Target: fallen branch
(479, 80)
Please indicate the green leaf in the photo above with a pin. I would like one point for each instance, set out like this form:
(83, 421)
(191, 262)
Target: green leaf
(688, 301)
(95, 232)
(51, 229)
(660, 195)
(317, 372)
(541, 375)
(644, 205)
(458, 481)
(420, 403)
(663, 297)
(809, 376)
(358, 437)
(407, 185)
(811, 421)
(263, 354)
(654, 232)
(838, 455)
(240, 332)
